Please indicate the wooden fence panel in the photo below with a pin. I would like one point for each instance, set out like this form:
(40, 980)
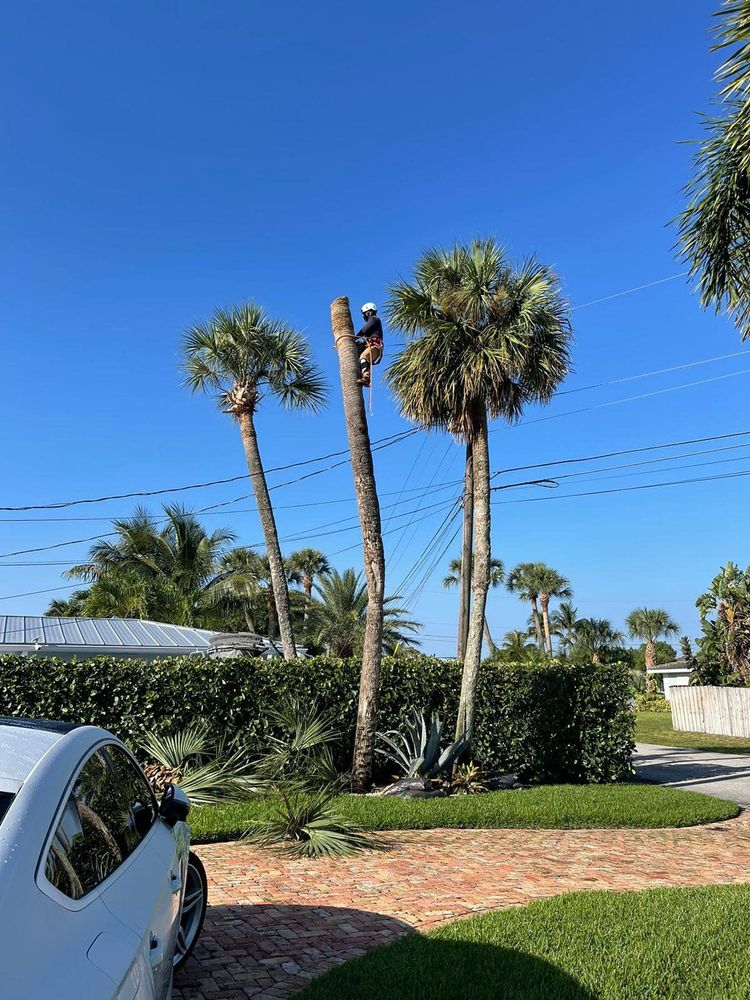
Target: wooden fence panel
(723, 711)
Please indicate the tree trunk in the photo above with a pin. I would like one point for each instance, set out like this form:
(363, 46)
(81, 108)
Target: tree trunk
(372, 541)
(268, 523)
(480, 579)
(544, 599)
(537, 623)
(650, 654)
(248, 619)
(491, 647)
(464, 583)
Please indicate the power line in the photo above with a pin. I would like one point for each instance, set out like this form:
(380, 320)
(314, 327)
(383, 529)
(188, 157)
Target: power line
(629, 291)
(381, 443)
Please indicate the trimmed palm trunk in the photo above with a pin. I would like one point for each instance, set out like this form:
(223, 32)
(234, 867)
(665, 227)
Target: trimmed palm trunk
(372, 541)
(480, 578)
(649, 654)
(544, 600)
(537, 622)
(270, 534)
(466, 547)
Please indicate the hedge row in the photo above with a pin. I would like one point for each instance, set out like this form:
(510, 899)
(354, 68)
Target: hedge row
(551, 723)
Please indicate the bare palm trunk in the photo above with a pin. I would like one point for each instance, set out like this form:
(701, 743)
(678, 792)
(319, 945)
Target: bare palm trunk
(248, 619)
(464, 582)
(650, 654)
(268, 523)
(480, 579)
(544, 599)
(372, 541)
(537, 623)
(491, 647)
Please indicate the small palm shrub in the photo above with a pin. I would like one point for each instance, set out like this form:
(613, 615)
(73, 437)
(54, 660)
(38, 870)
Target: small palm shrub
(205, 769)
(417, 752)
(298, 770)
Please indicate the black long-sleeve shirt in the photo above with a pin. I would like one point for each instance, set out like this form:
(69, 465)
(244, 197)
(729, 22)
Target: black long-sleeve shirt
(372, 330)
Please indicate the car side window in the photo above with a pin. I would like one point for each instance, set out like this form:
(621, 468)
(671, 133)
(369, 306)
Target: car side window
(107, 815)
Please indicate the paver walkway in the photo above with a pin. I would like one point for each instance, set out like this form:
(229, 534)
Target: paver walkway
(275, 923)
(726, 775)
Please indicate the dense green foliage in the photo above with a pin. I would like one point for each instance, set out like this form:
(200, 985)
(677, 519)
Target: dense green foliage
(551, 807)
(724, 649)
(651, 701)
(685, 944)
(656, 728)
(555, 722)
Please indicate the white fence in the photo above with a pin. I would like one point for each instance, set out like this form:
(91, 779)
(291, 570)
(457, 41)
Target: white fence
(718, 710)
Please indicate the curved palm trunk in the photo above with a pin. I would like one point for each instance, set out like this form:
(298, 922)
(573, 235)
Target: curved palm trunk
(480, 579)
(268, 523)
(491, 647)
(544, 600)
(372, 541)
(537, 623)
(464, 582)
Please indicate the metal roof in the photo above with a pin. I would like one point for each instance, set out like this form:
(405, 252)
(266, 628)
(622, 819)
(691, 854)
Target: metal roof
(99, 633)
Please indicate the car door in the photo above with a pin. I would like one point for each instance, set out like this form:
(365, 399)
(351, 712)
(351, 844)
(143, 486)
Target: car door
(148, 895)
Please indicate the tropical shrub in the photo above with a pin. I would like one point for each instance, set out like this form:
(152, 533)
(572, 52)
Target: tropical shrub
(553, 722)
(416, 750)
(652, 701)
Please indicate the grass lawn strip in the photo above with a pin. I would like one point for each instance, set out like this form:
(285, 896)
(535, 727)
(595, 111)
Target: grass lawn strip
(685, 944)
(554, 807)
(656, 727)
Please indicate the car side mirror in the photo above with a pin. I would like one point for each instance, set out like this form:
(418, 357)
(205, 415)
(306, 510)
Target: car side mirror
(174, 806)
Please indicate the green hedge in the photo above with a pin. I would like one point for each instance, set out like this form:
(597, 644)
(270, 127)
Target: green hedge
(551, 723)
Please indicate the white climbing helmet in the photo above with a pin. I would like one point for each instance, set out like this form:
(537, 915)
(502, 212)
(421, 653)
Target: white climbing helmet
(368, 307)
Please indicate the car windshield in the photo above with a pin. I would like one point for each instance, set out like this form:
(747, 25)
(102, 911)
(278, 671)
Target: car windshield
(5, 800)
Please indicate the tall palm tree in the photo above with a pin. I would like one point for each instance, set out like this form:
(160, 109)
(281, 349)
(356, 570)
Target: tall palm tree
(338, 617)
(243, 575)
(523, 580)
(243, 355)
(551, 584)
(310, 564)
(595, 637)
(563, 621)
(650, 624)
(368, 505)
(714, 229)
(453, 579)
(488, 339)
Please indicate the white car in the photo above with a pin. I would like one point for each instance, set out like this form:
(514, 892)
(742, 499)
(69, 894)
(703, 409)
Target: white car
(100, 897)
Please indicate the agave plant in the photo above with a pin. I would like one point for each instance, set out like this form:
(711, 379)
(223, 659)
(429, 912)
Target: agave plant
(207, 770)
(416, 751)
(306, 824)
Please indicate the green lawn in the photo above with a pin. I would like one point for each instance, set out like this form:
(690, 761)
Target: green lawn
(548, 807)
(656, 727)
(684, 944)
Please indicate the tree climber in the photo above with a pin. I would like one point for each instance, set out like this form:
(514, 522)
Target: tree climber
(369, 342)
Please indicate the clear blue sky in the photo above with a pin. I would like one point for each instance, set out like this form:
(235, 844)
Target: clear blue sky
(162, 159)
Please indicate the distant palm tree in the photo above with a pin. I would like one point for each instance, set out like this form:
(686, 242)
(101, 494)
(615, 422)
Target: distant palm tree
(338, 616)
(523, 580)
(595, 637)
(516, 644)
(714, 229)
(551, 584)
(563, 623)
(650, 624)
(489, 339)
(244, 572)
(310, 564)
(69, 607)
(496, 578)
(162, 568)
(242, 355)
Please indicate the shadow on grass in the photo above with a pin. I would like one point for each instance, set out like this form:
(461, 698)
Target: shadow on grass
(431, 968)
(248, 947)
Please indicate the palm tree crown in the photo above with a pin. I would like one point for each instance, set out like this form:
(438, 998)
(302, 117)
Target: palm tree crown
(310, 564)
(338, 616)
(493, 338)
(453, 578)
(242, 354)
(650, 624)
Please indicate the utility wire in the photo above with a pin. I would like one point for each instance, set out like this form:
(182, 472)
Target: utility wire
(629, 291)
(658, 371)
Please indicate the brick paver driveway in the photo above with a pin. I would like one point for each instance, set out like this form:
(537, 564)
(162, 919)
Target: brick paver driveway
(274, 924)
